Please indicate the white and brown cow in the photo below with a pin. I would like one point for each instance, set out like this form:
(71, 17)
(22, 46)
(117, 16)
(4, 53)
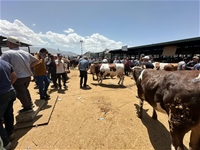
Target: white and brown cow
(178, 95)
(111, 70)
(165, 66)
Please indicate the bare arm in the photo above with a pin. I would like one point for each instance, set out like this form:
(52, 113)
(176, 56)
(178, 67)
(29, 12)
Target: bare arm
(13, 76)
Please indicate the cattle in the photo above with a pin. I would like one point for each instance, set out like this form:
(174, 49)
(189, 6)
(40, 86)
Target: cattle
(111, 70)
(165, 66)
(178, 95)
(95, 69)
(73, 63)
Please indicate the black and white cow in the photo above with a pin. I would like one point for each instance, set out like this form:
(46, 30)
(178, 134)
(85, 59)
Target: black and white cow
(177, 94)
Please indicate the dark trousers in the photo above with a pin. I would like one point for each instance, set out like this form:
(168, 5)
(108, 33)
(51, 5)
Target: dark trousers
(43, 84)
(83, 75)
(53, 78)
(126, 70)
(21, 87)
(6, 112)
(64, 78)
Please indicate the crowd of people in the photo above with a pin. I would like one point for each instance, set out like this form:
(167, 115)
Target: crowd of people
(17, 66)
(16, 69)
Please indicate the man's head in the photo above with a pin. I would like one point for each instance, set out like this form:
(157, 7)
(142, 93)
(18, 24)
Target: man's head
(43, 52)
(85, 57)
(12, 42)
(146, 58)
(59, 56)
(185, 59)
(195, 58)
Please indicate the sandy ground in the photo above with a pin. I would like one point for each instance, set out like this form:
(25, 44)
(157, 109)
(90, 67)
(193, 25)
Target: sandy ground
(103, 117)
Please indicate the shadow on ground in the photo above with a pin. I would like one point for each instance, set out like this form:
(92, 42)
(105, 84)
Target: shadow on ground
(115, 86)
(159, 136)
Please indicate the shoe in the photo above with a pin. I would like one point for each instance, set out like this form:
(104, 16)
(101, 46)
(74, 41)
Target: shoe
(8, 146)
(44, 98)
(11, 137)
(86, 86)
(47, 95)
(25, 110)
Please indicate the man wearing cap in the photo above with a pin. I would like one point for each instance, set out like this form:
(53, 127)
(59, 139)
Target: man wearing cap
(190, 64)
(83, 67)
(182, 64)
(146, 64)
(61, 71)
(22, 62)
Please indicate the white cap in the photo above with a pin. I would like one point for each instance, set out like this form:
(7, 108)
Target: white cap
(13, 40)
(146, 57)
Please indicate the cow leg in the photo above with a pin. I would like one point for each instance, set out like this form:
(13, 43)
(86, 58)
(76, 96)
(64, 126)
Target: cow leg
(122, 80)
(154, 115)
(93, 76)
(195, 139)
(100, 79)
(119, 80)
(177, 134)
(139, 114)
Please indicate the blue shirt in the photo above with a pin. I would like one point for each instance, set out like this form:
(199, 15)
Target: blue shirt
(197, 66)
(5, 79)
(83, 65)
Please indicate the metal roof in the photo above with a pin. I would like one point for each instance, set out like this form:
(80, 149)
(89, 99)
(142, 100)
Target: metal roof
(3, 43)
(179, 43)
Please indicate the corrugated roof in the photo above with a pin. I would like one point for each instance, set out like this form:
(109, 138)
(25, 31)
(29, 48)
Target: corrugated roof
(162, 44)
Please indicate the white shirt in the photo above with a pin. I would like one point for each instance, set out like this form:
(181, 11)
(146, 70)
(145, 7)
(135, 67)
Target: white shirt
(61, 67)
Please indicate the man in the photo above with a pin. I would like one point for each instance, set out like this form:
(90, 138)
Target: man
(7, 97)
(182, 64)
(61, 71)
(146, 64)
(22, 62)
(41, 74)
(52, 70)
(190, 64)
(197, 66)
(127, 64)
(83, 67)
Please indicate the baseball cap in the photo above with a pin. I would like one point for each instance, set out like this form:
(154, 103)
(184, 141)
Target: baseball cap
(13, 40)
(146, 57)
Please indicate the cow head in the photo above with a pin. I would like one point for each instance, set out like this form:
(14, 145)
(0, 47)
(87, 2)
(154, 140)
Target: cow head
(136, 71)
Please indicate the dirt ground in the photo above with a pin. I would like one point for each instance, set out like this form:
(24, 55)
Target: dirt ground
(103, 117)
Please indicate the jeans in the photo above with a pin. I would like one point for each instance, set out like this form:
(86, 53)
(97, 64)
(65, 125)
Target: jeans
(6, 112)
(43, 84)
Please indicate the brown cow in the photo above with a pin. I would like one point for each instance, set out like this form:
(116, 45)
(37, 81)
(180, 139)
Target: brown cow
(178, 95)
(165, 66)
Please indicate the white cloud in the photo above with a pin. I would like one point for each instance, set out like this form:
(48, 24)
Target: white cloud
(69, 31)
(33, 24)
(71, 42)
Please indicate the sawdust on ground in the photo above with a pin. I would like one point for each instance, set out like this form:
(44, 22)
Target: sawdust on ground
(103, 117)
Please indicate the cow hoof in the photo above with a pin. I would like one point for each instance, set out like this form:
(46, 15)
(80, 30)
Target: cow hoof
(139, 115)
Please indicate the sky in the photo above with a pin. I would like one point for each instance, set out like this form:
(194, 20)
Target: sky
(99, 24)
